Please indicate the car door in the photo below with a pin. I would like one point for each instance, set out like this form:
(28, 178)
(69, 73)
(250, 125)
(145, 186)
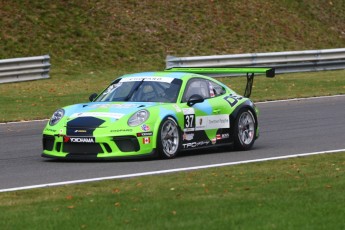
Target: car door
(204, 120)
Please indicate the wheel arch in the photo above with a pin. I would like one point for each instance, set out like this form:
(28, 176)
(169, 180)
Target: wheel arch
(158, 124)
(245, 105)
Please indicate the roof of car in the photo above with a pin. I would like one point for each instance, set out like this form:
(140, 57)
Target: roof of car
(178, 75)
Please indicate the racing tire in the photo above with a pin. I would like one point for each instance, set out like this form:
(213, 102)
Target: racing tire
(245, 130)
(168, 139)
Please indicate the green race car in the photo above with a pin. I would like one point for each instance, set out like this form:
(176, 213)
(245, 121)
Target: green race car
(156, 113)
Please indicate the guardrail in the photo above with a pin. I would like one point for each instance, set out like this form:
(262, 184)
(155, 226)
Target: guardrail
(24, 69)
(283, 62)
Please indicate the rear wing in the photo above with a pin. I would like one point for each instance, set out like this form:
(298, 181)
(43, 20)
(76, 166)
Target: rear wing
(269, 72)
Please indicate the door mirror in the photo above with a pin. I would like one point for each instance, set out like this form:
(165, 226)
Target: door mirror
(93, 96)
(195, 98)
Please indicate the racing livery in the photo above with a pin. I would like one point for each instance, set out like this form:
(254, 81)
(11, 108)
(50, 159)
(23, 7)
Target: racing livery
(156, 113)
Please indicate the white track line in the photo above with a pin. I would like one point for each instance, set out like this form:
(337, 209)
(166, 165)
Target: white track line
(167, 171)
(300, 99)
(18, 122)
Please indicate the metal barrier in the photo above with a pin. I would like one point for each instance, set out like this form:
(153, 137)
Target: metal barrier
(283, 62)
(24, 69)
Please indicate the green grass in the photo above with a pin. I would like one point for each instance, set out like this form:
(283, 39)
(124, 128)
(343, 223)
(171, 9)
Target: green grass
(88, 34)
(298, 193)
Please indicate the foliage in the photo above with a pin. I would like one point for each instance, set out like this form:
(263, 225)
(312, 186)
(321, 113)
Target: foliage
(123, 34)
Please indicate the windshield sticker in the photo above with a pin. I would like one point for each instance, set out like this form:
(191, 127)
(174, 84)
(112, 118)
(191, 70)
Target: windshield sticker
(148, 78)
(107, 106)
(212, 94)
(97, 114)
(112, 88)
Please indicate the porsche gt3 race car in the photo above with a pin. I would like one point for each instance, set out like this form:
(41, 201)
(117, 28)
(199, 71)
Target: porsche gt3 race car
(156, 113)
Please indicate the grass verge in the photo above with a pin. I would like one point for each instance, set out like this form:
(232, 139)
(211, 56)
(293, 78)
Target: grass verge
(39, 99)
(298, 193)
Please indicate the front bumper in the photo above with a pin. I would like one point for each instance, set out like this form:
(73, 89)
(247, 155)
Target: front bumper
(119, 147)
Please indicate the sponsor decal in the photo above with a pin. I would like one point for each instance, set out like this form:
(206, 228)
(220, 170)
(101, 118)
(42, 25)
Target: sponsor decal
(189, 121)
(212, 122)
(225, 135)
(148, 78)
(233, 99)
(214, 141)
(121, 130)
(188, 136)
(145, 134)
(195, 144)
(145, 127)
(98, 114)
(80, 131)
(219, 137)
(51, 130)
(67, 139)
(146, 140)
(188, 111)
(177, 108)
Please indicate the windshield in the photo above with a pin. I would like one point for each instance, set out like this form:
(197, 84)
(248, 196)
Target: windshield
(143, 90)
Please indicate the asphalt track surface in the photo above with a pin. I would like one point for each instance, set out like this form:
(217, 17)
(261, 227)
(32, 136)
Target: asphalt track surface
(287, 128)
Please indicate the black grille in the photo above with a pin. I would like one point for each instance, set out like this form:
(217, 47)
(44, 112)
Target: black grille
(82, 148)
(127, 143)
(48, 142)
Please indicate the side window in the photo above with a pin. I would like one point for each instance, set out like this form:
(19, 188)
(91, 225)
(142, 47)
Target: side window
(196, 86)
(215, 89)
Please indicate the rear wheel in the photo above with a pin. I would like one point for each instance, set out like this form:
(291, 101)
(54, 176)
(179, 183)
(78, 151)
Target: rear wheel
(168, 138)
(245, 130)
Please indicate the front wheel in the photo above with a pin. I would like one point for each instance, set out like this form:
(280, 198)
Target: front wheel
(245, 130)
(168, 138)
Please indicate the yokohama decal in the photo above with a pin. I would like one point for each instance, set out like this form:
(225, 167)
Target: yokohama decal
(78, 139)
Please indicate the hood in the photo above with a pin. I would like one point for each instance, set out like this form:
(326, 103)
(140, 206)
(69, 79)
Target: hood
(97, 114)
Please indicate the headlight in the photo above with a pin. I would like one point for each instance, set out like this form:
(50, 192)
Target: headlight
(138, 118)
(56, 117)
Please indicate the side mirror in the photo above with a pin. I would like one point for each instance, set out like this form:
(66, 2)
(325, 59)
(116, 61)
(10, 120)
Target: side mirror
(93, 96)
(195, 98)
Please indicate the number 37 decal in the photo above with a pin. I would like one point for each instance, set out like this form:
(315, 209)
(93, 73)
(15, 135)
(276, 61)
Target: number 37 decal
(189, 121)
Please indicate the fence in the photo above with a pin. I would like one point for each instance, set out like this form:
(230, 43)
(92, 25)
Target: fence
(24, 69)
(283, 62)
(33, 68)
